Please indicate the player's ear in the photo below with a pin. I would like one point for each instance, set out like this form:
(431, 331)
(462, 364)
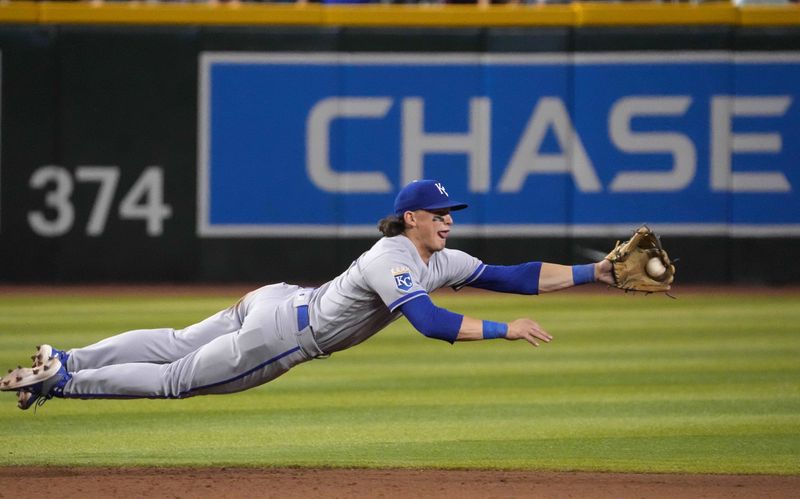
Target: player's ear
(409, 219)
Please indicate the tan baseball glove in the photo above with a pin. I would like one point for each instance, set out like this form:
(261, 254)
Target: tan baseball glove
(641, 264)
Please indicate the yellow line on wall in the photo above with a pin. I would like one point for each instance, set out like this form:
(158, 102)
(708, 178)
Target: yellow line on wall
(770, 15)
(653, 14)
(178, 13)
(379, 15)
(449, 15)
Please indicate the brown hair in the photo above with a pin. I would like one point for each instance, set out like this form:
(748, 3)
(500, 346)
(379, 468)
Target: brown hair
(391, 226)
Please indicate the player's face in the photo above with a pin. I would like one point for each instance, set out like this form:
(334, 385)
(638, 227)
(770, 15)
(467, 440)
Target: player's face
(433, 227)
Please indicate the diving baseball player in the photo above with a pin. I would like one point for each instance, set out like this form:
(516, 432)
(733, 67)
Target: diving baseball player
(276, 327)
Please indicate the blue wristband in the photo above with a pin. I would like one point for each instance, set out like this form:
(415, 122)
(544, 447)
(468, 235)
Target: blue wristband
(492, 330)
(581, 274)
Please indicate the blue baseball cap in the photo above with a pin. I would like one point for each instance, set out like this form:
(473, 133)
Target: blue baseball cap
(424, 195)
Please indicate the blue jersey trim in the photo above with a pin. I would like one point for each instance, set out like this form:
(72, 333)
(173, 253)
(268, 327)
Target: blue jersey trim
(478, 271)
(186, 393)
(403, 299)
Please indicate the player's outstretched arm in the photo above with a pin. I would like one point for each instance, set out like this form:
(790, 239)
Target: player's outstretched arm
(539, 277)
(553, 277)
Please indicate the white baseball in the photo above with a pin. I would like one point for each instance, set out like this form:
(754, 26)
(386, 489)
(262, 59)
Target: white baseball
(655, 267)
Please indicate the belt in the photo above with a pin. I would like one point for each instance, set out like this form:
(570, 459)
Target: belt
(305, 335)
(302, 317)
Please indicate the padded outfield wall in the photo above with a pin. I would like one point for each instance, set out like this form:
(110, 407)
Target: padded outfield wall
(261, 143)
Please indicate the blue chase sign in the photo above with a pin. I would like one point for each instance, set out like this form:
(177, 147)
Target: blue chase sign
(297, 144)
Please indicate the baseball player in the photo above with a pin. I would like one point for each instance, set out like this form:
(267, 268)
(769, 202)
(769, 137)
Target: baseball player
(276, 327)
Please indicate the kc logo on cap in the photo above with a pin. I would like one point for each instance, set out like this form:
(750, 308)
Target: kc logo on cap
(424, 195)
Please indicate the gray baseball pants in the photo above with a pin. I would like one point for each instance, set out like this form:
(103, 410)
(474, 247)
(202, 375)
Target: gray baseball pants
(244, 346)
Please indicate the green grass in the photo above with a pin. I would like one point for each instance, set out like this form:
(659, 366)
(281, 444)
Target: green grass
(630, 383)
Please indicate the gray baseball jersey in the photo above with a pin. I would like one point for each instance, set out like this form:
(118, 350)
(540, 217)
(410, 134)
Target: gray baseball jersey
(366, 297)
(262, 336)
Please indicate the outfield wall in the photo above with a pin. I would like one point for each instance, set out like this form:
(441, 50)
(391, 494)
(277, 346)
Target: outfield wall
(190, 143)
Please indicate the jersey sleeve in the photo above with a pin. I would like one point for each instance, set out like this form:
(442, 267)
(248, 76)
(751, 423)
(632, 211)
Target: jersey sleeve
(394, 277)
(461, 268)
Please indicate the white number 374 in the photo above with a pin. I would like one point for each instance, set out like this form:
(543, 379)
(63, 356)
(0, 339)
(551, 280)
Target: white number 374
(144, 200)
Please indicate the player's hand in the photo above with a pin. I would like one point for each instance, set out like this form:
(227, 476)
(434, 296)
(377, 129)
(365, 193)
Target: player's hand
(528, 330)
(603, 272)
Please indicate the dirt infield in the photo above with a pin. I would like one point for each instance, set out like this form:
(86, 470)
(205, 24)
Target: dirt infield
(221, 483)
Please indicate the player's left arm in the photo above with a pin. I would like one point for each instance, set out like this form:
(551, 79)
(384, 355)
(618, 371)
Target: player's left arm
(521, 329)
(440, 323)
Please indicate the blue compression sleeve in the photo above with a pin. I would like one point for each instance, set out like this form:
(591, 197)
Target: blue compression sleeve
(521, 279)
(430, 320)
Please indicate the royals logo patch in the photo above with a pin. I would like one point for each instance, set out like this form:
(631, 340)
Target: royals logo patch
(402, 278)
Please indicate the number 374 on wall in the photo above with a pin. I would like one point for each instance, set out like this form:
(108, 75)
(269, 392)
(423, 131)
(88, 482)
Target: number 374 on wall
(144, 200)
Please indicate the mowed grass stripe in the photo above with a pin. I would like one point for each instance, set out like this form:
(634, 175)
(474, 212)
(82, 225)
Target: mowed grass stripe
(630, 383)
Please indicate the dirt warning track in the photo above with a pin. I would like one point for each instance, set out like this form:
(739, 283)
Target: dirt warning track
(156, 483)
